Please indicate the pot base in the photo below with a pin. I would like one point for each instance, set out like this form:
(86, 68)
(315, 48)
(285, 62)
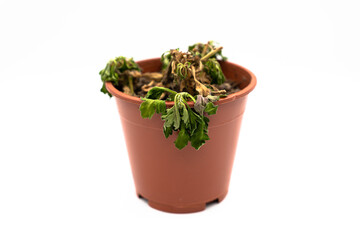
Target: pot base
(188, 208)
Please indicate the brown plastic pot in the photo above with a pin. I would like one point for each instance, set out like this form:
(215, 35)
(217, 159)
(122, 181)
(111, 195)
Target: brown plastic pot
(183, 181)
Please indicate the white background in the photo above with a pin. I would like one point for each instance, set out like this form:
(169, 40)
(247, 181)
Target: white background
(64, 171)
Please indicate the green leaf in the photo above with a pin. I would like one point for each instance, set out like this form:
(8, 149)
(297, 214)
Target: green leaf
(166, 59)
(191, 126)
(156, 92)
(168, 117)
(182, 139)
(199, 136)
(167, 131)
(193, 121)
(110, 72)
(177, 118)
(160, 106)
(213, 69)
(171, 97)
(147, 109)
(185, 115)
(191, 47)
(104, 90)
(211, 108)
(150, 106)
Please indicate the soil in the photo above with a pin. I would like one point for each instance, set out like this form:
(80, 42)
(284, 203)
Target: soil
(229, 86)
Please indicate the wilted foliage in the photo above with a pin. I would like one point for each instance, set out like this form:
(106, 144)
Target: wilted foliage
(185, 76)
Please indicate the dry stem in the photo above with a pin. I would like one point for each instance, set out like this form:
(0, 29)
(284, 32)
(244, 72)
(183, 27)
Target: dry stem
(210, 54)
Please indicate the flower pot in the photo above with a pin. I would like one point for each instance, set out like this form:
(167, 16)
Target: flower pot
(182, 181)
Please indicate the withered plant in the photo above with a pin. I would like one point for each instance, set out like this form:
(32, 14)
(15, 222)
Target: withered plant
(192, 76)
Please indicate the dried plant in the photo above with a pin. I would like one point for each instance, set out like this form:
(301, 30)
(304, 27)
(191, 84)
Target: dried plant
(185, 76)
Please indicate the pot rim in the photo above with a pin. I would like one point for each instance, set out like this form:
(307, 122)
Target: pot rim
(232, 97)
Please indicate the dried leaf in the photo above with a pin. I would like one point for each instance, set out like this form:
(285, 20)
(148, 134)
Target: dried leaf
(153, 76)
(200, 104)
(201, 89)
(126, 90)
(219, 92)
(148, 86)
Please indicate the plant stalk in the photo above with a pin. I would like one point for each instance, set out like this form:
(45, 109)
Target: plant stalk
(131, 85)
(210, 54)
(205, 49)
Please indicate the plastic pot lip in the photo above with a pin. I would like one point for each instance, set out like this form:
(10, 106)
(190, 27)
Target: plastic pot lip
(232, 97)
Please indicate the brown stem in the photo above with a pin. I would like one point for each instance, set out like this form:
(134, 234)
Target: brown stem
(152, 76)
(210, 54)
(201, 67)
(205, 49)
(218, 92)
(131, 86)
(201, 88)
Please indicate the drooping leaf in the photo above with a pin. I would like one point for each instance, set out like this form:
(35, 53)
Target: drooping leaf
(193, 121)
(168, 117)
(213, 69)
(115, 67)
(199, 136)
(182, 139)
(149, 106)
(185, 115)
(160, 106)
(167, 131)
(104, 90)
(177, 118)
(190, 124)
(211, 108)
(171, 97)
(156, 92)
(200, 104)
